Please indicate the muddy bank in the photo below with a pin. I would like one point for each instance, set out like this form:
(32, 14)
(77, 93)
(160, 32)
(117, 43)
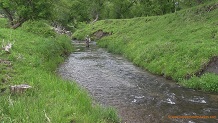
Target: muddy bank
(212, 66)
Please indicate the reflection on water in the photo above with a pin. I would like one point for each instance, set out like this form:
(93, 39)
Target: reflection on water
(139, 96)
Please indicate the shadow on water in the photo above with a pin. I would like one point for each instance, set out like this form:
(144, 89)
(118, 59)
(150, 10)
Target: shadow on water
(139, 96)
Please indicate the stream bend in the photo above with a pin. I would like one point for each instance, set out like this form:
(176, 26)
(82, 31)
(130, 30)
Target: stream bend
(138, 96)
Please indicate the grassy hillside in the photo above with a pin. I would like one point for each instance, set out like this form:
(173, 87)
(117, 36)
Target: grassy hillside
(32, 60)
(177, 45)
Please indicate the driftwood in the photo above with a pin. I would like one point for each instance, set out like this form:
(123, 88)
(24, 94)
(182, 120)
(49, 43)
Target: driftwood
(19, 88)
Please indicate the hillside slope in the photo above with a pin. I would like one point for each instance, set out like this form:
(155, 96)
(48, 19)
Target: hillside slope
(178, 46)
(32, 60)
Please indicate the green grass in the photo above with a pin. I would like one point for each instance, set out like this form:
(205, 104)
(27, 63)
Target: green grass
(207, 82)
(3, 23)
(33, 60)
(175, 45)
(38, 27)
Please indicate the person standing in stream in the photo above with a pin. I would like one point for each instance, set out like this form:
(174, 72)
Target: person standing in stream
(88, 40)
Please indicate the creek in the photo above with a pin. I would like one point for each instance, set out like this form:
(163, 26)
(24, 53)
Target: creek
(137, 95)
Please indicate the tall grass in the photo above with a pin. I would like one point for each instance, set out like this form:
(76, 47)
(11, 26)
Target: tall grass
(3, 23)
(175, 45)
(34, 58)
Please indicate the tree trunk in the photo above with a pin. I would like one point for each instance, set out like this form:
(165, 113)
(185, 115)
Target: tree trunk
(9, 16)
(18, 24)
(96, 19)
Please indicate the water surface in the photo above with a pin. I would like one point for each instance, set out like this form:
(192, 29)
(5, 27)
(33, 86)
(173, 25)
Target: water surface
(138, 96)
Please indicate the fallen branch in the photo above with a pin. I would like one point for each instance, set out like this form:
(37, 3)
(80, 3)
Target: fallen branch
(96, 19)
(48, 119)
(19, 88)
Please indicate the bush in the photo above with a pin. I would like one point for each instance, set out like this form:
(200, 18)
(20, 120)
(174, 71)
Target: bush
(39, 27)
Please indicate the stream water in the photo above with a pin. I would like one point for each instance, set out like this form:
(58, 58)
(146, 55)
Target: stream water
(138, 96)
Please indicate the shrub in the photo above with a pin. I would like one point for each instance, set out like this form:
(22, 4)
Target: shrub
(39, 28)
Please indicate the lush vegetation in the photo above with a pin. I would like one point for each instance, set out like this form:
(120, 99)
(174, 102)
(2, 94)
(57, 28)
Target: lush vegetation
(177, 45)
(70, 12)
(20, 11)
(33, 60)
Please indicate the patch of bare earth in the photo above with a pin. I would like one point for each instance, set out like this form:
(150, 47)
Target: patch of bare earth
(5, 69)
(100, 33)
(212, 67)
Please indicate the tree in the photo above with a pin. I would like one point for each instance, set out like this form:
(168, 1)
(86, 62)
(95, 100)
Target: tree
(61, 11)
(79, 10)
(95, 8)
(166, 6)
(122, 8)
(19, 11)
(142, 8)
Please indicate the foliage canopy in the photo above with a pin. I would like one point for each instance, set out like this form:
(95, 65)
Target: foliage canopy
(74, 11)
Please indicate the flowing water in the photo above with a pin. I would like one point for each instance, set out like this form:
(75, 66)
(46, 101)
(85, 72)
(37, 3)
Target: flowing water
(138, 96)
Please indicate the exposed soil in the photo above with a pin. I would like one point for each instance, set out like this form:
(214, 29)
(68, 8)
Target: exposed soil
(100, 33)
(212, 67)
